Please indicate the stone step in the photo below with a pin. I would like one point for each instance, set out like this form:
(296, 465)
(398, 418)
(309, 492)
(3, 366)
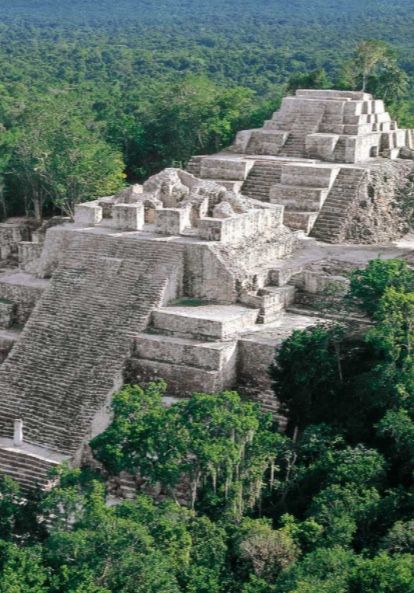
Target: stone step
(71, 355)
(28, 467)
(330, 223)
(205, 322)
(317, 176)
(211, 356)
(271, 301)
(260, 179)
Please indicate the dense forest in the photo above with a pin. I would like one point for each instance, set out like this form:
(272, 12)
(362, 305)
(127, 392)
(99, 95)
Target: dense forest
(96, 94)
(231, 504)
(93, 94)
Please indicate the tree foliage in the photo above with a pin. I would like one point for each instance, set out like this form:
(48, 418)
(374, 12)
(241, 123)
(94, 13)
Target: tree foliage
(220, 445)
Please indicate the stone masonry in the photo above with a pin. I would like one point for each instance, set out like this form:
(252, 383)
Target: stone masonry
(324, 156)
(195, 277)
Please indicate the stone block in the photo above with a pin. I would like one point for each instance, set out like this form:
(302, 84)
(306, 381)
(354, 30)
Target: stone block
(212, 356)
(11, 233)
(225, 168)
(182, 380)
(231, 185)
(28, 253)
(88, 214)
(24, 290)
(320, 176)
(7, 313)
(300, 221)
(172, 221)
(333, 94)
(106, 203)
(298, 197)
(8, 338)
(366, 147)
(209, 322)
(271, 301)
(242, 226)
(242, 140)
(353, 108)
(321, 146)
(128, 217)
(318, 283)
(359, 129)
(378, 106)
(267, 141)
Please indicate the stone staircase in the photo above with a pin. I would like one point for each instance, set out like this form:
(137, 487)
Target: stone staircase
(29, 469)
(262, 176)
(329, 226)
(72, 351)
(295, 145)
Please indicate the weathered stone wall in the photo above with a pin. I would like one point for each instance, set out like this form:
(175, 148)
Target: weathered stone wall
(11, 233)
(377, 214)
(251, 260)
(24, 291)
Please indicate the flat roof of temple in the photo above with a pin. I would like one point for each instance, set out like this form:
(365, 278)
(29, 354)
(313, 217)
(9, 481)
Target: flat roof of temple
(333, 94)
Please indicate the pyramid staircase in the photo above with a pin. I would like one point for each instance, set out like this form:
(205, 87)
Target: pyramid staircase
(330, 224)
(261, 178)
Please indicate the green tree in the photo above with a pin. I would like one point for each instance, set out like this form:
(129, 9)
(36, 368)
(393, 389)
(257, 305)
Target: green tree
(221, 445)
(316, 79)
(368, 286)
(400, 538)
(393, 334)
(58, 159)
(22, 570)
(105, 551)
(266, 551)
(384, 574)
(367, 56)
(326, 570)
(307, 373)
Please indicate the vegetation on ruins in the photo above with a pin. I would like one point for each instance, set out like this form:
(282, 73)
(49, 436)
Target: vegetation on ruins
(326, 506)
(223, 448)
(89, 93)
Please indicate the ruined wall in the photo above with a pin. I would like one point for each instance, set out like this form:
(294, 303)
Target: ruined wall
(378, 214)
(12, 232)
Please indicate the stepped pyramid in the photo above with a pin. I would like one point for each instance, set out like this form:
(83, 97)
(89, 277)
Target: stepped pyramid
(318, 156)
(196, 277)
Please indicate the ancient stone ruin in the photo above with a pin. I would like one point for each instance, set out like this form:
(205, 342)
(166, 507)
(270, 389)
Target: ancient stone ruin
(194, 277)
